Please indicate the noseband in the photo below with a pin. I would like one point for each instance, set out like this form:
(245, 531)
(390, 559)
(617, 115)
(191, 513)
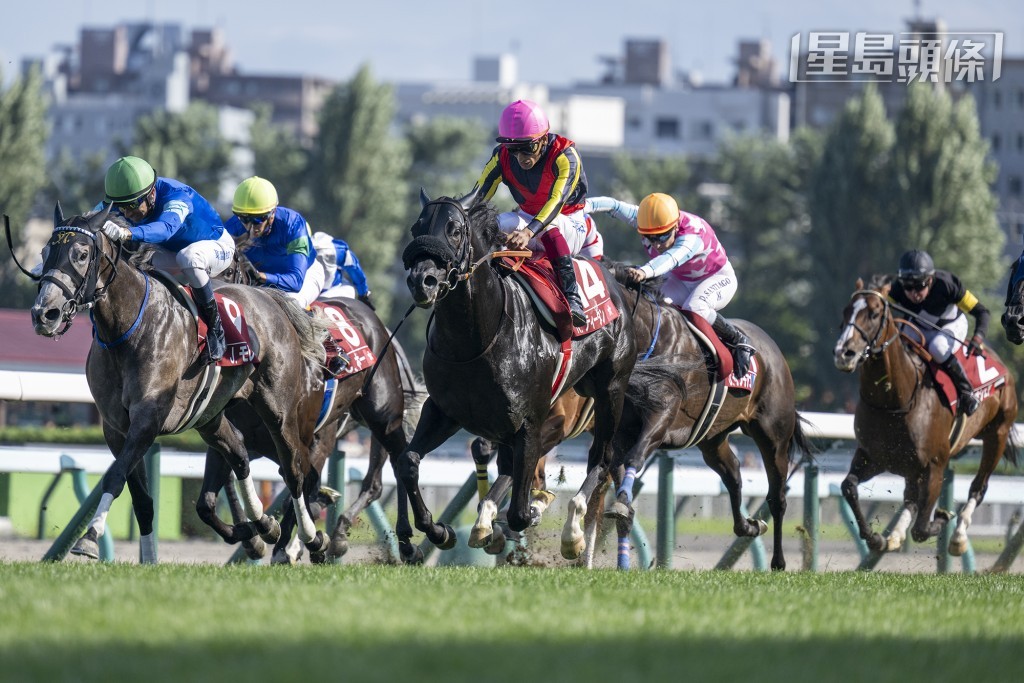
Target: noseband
(458, 261)
(874, 348)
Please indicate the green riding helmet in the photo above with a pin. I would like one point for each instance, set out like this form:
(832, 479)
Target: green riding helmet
(127, 179)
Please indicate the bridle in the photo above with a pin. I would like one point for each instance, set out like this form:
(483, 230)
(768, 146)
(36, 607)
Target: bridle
(87, 290)
(874, 347)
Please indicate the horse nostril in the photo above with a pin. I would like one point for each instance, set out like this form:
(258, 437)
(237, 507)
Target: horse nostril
(52, 314)
(429, 282)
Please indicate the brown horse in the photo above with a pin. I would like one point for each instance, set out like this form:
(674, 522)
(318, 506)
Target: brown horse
(903, 427)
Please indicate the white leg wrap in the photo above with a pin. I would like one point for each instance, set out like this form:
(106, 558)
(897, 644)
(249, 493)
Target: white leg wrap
(99, 520)
(965, 519)
(147, 548)
(250, 499)
(899, 532)
(293, 549)
(307, 529)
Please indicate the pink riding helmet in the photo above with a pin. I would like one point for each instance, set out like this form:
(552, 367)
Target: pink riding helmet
(522, 120)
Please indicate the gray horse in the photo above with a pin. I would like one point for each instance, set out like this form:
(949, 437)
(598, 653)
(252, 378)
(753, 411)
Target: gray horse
(148, 378)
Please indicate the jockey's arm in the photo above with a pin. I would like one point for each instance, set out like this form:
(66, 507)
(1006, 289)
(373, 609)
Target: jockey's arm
(355, 273)
(567, 177)
(490, 177)
(166, 225)
(624, 211)
(679, 253)
(970, 304)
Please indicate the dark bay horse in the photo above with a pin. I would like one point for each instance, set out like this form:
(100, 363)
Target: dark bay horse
(387, 405)
(146, 374)
(667, 395)
(903, 427)
(490, 362)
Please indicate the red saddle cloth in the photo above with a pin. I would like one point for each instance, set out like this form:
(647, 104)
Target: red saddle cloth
(238, 343)
(594, 292)
(706, 335)
(348, 337)
(985, 373)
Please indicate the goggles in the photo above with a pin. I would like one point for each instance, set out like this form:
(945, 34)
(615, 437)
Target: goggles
(660, 238)
(258, 219)
(528, 147)
(914, 284)
(133, 204)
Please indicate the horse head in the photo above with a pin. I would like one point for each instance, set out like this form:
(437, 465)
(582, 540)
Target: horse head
(865, 321)
(70, 270)
(1013, 316)
(447, 234)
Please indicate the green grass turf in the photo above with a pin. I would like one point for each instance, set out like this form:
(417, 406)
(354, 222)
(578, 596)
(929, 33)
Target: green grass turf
(83, 622)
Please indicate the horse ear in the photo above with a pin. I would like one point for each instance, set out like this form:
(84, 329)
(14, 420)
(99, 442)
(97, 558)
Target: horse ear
(859, 284)
(97, 221)
(58, 214)
(470, 199)
(424, 199)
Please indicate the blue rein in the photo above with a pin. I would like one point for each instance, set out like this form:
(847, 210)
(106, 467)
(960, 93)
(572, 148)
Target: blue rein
(131, 330)
(657, 325)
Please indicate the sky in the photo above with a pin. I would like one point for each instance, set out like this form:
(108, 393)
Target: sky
(557, 43)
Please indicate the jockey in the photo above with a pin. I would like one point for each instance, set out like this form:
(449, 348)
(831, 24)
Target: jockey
(278, 243)
(343, 275)
(544, 173)
(684, 247)
(190, 239)
(936, 300)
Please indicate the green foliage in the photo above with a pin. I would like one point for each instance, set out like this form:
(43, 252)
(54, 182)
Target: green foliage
(93, 435)
(23, 133)
(279, 157)
(357, 176)
(188, 147)
(77, 184)
(715, 626)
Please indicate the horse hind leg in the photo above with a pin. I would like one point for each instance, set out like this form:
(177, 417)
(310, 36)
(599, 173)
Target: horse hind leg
(993, 446)
(925, 491)
(719, 457)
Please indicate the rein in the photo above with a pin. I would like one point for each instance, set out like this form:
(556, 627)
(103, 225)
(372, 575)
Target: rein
(876, 349)
(657, 323)
(86, 292)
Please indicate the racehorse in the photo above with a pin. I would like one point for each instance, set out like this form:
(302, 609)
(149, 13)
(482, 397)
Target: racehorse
(667, 396)
(903, 427)
(489, 364)
(146, 372)
(385, 404)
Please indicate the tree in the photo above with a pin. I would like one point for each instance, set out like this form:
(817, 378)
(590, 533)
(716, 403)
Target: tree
(358, 170)
(764, 230)
(23, 133)
(77, 183)
(188, 147)
(279, 156)
(851, 234)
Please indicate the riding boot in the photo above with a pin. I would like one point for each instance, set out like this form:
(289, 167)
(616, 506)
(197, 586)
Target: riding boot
(207, 305)
(737, 342)
(337, 362)
(964, 394)
(567, 281)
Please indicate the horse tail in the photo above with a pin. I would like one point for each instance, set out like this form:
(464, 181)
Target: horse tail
(310, 329)
(654, 380)
(413, 389)
(800, 443)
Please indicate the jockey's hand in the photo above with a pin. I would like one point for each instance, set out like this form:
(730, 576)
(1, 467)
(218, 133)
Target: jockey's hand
(261, 277)
(365, 298)
(115, 232)
(976, 347)
(518, 239)
(634, 275)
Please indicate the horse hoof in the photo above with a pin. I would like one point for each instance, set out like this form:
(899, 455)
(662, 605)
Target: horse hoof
(479, 536)
(409, 553)
(762, 526)
(317, 557)
(617, 511)
(328, 496)
(876, 542)
(86, 547)
(497, 544)
(282, 557)
(270, 529)
(572, 549)
(255, 549)
(319, 543)
(339, 545)
(893, 543)
(449, 540)
(957, 548)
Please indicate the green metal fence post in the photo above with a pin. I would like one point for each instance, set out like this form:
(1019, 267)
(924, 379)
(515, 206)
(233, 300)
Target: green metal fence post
(152, 459)
(943, 559)
(666, 511)
(812, 518)
(1014, 542)
(740, 545)
(846, 513)
(76, 527)
(336, 480)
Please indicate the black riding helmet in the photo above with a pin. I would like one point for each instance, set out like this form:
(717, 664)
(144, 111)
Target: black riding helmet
(916, 267)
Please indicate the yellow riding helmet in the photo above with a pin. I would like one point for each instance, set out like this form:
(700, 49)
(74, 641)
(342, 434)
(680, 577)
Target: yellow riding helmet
(657, 213)
(254, 196)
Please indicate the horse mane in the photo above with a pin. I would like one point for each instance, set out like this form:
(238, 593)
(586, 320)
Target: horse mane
(484, 218)
(311, 329)
(618, 270)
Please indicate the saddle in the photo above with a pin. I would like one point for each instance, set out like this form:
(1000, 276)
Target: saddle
(348, 338)
(985, 373)
(242, 346)
(720, 355)
(539, 279)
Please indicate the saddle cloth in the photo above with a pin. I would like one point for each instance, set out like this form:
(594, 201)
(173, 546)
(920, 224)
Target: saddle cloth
(985, 373)
(720, 352)
(348, 337)
(541, 282)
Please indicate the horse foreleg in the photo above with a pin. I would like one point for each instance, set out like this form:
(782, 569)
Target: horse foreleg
(861, 470)
(573, 539)
(898, 534)
(591, 524)
(142, 504)
(369, 491)
(434, 428)
(928, 487)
